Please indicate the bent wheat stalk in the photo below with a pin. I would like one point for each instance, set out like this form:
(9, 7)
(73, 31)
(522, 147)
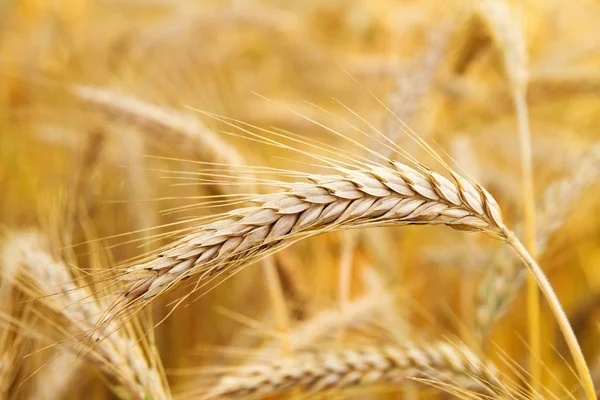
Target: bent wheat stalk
(371, 196)
(316, 372)
(560, 198)
(119, 357)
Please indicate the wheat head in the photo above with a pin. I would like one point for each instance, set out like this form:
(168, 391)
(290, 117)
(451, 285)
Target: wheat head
(316, 372)
(377, 196)
(118, 356)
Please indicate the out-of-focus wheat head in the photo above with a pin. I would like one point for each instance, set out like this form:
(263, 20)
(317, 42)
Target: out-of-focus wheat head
(122, 358)
(186, 140)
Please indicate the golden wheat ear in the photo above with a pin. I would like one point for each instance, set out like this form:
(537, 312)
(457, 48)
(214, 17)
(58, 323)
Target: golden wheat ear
(373, 196)
(319, 372)
(110, 347)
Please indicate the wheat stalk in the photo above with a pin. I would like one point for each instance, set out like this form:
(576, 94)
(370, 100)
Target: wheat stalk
(505, 278)
(316, 372)
(511, 40)
(120, 357)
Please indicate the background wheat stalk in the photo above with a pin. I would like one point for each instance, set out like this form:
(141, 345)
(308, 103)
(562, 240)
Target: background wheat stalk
(511, 41)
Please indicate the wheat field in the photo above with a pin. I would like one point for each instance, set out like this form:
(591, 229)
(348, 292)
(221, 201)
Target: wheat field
(218, 199)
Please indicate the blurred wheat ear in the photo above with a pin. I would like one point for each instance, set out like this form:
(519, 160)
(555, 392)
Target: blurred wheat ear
(121, 358)
(322, 371)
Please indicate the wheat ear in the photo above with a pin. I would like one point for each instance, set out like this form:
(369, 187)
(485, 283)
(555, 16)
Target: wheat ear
(377, 196)
(317, 372)
(12, 338)
(413, 85)
(120, 357)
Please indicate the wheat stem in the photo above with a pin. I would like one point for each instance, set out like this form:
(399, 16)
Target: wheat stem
(559, 314)
(533, 296)
(505, 277)
(277, 301)
(345, 280)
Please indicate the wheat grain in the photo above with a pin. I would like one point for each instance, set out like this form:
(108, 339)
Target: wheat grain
(120, 357)
(316, 372)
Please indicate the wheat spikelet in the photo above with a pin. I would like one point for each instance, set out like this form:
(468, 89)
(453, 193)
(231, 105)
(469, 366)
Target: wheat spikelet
(316, 372)
(377, 196)
(505, 278)
(120, 357)
(6, 372)
(7, 368)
